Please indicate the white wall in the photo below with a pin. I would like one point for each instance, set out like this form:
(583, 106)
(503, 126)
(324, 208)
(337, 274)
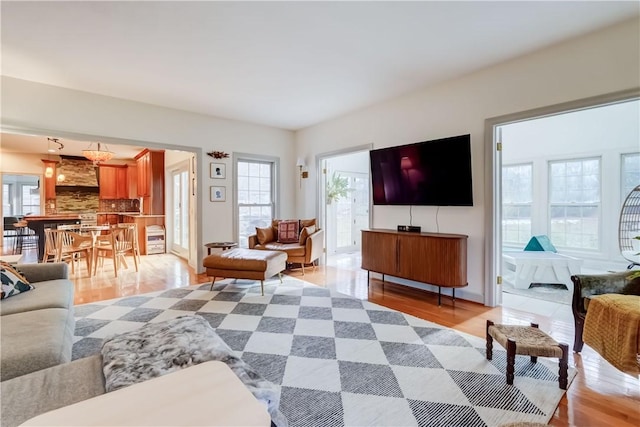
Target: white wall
(595, 64)
(29, 105)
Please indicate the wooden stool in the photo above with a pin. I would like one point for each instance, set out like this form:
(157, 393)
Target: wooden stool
(528, 341)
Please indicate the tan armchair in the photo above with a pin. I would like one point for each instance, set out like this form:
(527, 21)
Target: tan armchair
(306, 251)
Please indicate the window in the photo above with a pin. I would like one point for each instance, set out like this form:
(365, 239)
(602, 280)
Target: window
(574, 196)
(20, 195)
(7, 196)
(30, 199)
(255, 196)
(517, 197)
(629, 173)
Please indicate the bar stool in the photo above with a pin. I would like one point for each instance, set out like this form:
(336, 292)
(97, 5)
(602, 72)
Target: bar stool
(24, 237)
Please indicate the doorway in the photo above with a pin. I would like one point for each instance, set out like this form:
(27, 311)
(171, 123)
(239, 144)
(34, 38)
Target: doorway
(344, 204)
(180, 210)
(549, 169)
(20, 195)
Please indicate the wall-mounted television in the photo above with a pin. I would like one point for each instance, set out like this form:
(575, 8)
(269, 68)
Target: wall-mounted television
(434, 173)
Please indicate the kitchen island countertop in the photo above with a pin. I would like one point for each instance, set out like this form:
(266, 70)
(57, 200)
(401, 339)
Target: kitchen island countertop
(135, 215)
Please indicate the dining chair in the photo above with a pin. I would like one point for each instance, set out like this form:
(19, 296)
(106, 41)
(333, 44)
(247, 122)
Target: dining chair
(134, 226)
(68, 246)
(119, 242)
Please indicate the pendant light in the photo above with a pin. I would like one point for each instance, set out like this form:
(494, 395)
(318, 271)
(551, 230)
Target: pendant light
(99, 155)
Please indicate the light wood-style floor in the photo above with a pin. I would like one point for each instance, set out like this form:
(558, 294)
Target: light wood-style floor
(600, 395)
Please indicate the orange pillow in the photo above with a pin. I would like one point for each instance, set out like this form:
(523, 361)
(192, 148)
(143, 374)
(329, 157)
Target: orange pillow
(265, 235)
(288, 231)
(306, 232)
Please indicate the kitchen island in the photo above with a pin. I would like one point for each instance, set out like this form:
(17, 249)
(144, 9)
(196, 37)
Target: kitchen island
(143, 221)
(39, 223)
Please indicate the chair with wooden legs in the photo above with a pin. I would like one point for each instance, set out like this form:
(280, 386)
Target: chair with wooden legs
(119, 242)
(68, 246)
(134, 226)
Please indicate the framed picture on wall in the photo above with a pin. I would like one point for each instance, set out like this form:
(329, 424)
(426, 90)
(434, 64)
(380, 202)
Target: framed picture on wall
(218, 194)
(217, 170)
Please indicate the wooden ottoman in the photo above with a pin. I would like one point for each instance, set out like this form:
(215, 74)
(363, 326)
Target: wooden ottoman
(528, 341)
(250, 264)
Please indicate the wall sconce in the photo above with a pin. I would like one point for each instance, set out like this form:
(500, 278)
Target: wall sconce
(303, 174)
(48, 172)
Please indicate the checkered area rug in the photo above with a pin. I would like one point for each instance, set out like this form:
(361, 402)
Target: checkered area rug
(341, 361)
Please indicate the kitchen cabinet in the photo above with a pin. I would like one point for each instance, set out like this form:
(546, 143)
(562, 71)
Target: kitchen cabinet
(50, 182)
(107, 184)
(114, 182)
(150, 171)
(109, 219)
(132, 180)
(142, 166)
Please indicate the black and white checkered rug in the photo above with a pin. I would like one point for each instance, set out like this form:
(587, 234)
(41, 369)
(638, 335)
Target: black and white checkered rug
(342, 361)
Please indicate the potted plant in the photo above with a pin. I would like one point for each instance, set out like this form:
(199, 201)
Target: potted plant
(337, 187)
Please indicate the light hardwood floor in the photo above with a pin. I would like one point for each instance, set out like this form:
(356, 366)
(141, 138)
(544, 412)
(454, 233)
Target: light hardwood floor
(600, 395)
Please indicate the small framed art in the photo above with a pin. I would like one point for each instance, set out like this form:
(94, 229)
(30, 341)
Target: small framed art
(217, 170)
(218, 194)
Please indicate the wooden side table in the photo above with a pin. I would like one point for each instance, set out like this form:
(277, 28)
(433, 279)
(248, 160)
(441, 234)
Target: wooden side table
(220, 245)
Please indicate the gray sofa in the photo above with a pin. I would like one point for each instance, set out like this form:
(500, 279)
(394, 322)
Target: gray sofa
(37, 326)
(42, 391)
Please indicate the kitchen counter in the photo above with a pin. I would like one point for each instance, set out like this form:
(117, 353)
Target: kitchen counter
(133, 214)
(51, 217)
(116, 213)
(143, 222)
(40, 222)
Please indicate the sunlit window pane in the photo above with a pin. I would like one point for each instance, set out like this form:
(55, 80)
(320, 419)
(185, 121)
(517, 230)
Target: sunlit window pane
(255, 197)
(574, 212)
(517, 196)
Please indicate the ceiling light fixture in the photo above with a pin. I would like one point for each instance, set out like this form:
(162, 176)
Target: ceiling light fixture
(99, 155)
(48, 171)
(55, 141)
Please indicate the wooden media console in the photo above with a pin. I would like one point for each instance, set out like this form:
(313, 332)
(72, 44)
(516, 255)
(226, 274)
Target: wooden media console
(438, 259)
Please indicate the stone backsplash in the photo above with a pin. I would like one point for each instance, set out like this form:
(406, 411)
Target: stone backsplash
(88, 202)
(118, 205)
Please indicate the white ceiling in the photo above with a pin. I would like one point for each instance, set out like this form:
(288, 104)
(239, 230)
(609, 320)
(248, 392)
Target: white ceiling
(283, 64)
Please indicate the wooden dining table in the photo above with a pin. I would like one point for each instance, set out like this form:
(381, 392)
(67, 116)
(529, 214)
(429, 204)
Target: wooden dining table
(95, 231)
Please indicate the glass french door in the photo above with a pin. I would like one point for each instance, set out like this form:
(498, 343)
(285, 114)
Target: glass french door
(352, 213)
(180, 210)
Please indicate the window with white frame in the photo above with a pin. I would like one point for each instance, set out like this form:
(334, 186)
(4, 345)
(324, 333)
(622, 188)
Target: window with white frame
(629, 173)
(517, 197)
(575, 203)
(7, 196)
(255, 196)
(30, 199)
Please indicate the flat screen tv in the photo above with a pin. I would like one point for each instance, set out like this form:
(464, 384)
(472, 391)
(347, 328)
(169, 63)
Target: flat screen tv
(434, 173)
